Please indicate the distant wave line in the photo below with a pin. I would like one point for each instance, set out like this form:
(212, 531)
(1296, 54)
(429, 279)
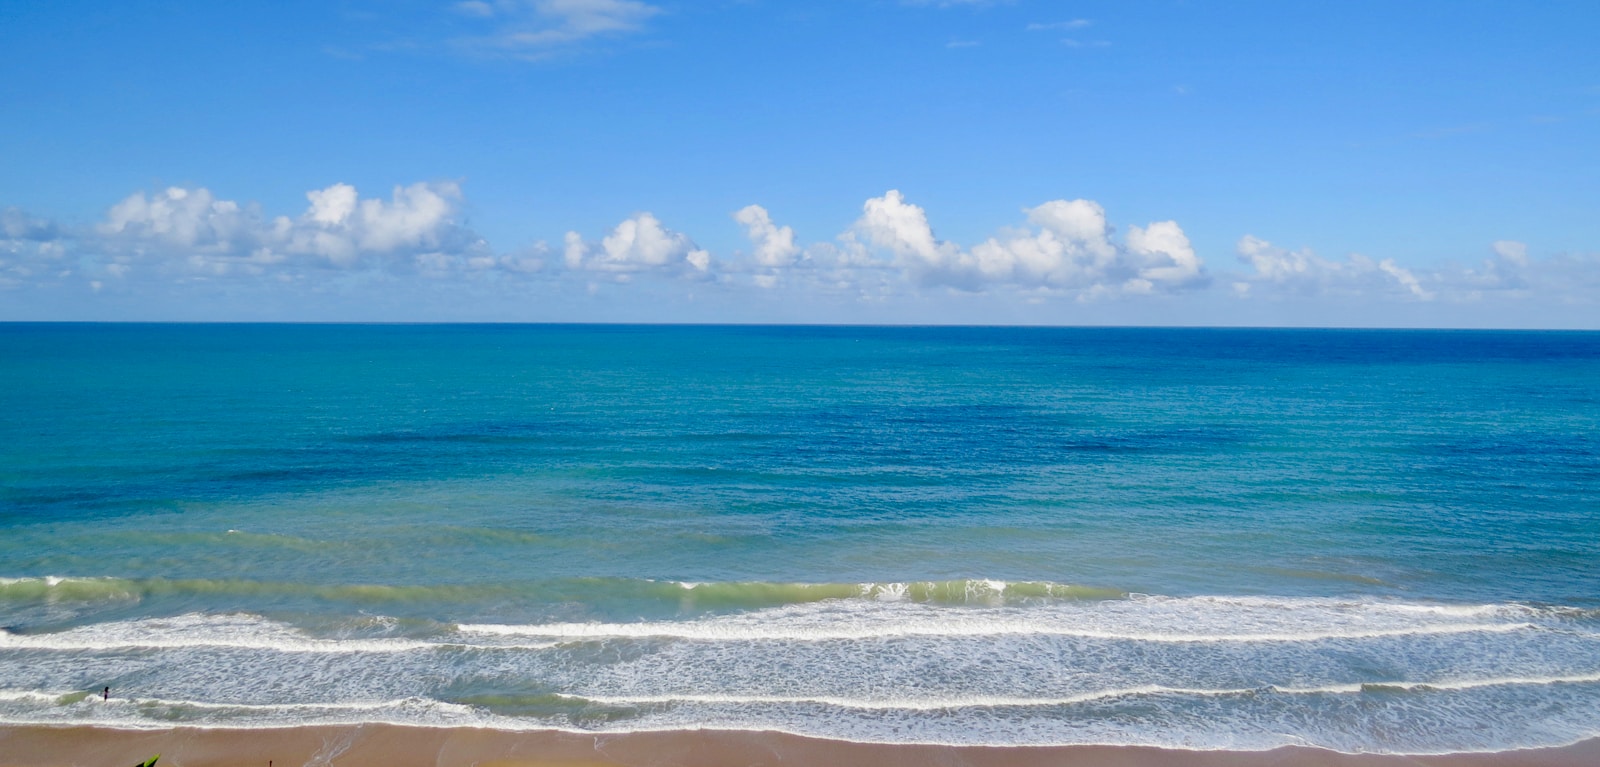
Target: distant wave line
(308, 645)
(731, 593)
(934, 628)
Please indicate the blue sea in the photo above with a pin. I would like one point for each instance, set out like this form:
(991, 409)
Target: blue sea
(1368, 541)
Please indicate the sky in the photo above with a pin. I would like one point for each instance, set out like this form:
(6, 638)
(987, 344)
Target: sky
(1160, 162)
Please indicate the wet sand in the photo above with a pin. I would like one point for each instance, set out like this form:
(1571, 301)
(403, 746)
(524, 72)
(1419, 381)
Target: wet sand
(381, 745)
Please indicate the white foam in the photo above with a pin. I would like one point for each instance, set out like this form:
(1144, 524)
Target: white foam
(92, 697)
(947, 628)
(1470, 684)
(869, 704)
(1142, 618)
(1003, 701)
(236, 631)
(149, 712)
(907, 721)
(1207, 671)
(33, 696)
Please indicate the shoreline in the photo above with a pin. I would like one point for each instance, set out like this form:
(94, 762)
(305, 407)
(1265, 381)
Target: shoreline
(379, 745)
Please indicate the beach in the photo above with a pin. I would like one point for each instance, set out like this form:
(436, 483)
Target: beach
(376, 745)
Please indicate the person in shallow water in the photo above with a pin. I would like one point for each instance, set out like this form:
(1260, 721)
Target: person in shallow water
(105, 694)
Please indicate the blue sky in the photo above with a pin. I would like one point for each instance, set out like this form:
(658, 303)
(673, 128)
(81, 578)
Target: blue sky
(1282, 163)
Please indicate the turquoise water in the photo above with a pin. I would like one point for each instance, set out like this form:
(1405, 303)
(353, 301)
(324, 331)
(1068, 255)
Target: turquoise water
(1364, 540)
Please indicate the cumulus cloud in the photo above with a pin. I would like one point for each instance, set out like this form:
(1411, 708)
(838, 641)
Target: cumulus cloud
(1304, 272)
(1162, 257)
(1067, 246)
(192, 229)
(773, 245)
(533, 28)
(890, 223)
(638, 243)
(189, 219)
(341, 227)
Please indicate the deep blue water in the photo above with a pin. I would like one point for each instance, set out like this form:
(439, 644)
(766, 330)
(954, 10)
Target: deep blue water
(1368, 540)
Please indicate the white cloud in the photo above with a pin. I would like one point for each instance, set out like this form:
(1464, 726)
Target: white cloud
(192, 230)
(638, 243)
(532, 28)
(1510, 274)
(1070, 247)
(187, 219)
(774, 245)
(891, 223)
(1512, 251)
(342, 227)
(1067, 247)
(575, 250)
(1163, 256)
(1404, 277)
(1304, 272)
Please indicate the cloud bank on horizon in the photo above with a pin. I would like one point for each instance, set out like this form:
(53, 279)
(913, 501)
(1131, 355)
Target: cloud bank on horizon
(1058, 251)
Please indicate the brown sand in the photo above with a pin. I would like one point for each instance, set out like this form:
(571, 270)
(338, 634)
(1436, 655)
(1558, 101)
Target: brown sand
(379, 745)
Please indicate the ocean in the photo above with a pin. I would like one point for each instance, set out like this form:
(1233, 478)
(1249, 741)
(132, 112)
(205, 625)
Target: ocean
(1367, 541)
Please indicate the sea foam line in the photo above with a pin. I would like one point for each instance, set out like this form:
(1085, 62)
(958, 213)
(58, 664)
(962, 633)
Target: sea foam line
(70, 641)
(93, 698)
(929, 704)
(1001, 701)
(932, 704)
(945, 628)
(49, 642)
(565, 633)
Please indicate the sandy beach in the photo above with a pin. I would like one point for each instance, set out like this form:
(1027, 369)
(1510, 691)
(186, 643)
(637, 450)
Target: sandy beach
(376, 745)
